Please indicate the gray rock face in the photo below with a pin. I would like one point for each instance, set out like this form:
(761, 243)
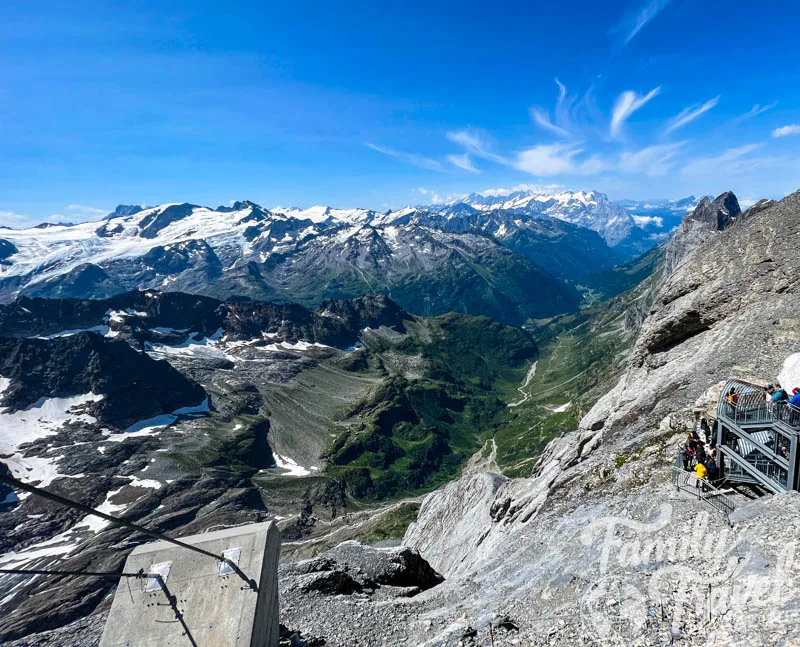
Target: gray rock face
(135, 385)
(85, 632)
(708, 218)
(454, 539)
(731, 304)
(352, 594)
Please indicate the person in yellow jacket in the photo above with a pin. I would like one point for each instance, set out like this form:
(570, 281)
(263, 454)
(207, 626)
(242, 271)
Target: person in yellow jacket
(701, 471)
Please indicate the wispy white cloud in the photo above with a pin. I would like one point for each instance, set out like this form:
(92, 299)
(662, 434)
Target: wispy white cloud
(477, 143)
(463, 162)
(645, 221)
(573, 116)
(729, 161)
(634, 23)
(410, 158)
(543, 119)
(626, 104)
(547, 160)
(652, 161)
(74, 213)
(14, 220)
(422, 190)
(785, 131)
(687, 115)
(756, 110)
(557, 159)
(562, 125)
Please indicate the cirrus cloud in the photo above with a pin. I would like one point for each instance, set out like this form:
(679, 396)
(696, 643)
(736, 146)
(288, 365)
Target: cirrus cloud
(462, 162)
(687, 115)
(785, 131)
(626, 104)
(633, 24)
(410, 158)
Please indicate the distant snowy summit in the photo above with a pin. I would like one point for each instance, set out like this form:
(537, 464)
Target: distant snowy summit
(589, 209)
(682, 206)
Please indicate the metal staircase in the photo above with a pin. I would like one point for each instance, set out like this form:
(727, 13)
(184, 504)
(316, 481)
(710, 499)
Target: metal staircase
(751, 437)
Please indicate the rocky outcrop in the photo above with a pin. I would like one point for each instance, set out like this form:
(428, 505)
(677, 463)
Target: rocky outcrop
(351, 567)
(154, 222)
(731, 303)
(134, 386)
(86, 278)
(332, 591)
(707, 219)
(147, 315)
(7, 249)
(445, 528)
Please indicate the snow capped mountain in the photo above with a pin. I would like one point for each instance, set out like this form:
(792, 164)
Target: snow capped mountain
(424, 256)
(321, 214)
(426, 262)
(589, 209)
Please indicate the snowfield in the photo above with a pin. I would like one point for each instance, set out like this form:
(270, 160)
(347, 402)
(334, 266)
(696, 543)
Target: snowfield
(41, 419)
(291, 468)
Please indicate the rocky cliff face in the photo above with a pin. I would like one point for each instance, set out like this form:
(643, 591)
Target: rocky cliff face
(707, 219)
(133, 385)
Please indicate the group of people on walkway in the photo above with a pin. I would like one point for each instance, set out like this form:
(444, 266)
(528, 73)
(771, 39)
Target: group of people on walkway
(783, 405)
(776, 394)
(700, 454)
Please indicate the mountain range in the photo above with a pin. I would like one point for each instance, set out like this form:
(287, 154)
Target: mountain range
(514, 257)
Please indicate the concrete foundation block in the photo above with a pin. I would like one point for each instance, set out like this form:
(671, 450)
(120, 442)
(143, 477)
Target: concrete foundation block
(202, 601)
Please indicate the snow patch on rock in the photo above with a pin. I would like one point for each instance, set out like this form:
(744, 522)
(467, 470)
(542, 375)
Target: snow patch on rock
(43, 418)
(291, 467)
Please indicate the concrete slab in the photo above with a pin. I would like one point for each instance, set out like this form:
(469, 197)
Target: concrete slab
(212, 607)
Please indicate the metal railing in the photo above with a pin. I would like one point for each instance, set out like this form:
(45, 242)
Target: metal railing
(763, 470)
(752, 407)
(702, 489)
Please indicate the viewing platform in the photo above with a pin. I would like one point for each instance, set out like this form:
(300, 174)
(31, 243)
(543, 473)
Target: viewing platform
(758, 440)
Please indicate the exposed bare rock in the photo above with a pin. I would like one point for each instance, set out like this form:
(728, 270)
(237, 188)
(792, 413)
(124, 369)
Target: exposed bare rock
(448, 536)
(708, 218)
(731, 305)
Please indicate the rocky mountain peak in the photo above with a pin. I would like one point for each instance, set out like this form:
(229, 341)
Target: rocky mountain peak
(719, 213)
(708, 219)
(125, 210)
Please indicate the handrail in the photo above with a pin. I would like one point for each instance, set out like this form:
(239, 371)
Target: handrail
(756, 445)
(707, 492)
(752, 469)
(752, 406)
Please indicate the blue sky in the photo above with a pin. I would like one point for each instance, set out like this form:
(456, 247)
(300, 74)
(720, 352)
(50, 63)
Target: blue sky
(385, 104)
